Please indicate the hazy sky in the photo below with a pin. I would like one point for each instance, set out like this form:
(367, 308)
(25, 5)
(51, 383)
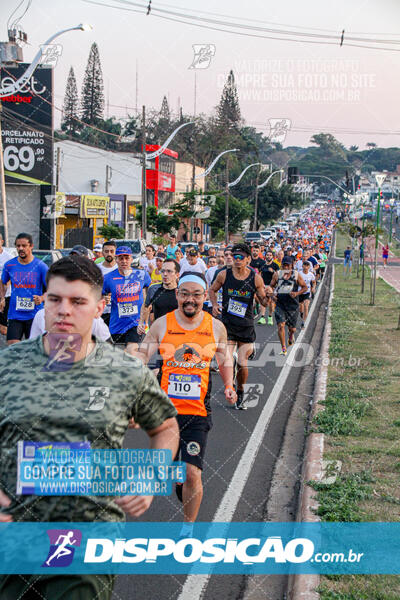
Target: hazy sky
(319, 87)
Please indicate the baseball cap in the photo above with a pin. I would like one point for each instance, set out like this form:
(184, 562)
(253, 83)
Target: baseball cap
(123, 250)
(241, 248)
(81, 250)
(287, 260)
(98, 247)
(192, 252)
(161, 255)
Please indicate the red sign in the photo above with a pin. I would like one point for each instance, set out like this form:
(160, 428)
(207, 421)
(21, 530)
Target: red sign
(158, 180)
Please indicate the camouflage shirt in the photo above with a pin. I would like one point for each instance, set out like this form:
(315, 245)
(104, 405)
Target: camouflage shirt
(92, 402)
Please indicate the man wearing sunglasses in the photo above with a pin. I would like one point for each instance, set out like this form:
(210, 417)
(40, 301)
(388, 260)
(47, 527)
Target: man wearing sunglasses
(187, 339)
(239, 285)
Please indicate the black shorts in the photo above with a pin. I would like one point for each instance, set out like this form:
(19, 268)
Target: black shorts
(4, 314)
(288, 316)
(106, 318)
(193, 433)
(129, 336)
(322, 270)
(303, 297)
(246, 334)
(16, 330)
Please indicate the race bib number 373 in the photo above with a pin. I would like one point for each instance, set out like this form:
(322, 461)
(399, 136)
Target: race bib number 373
(127, 309)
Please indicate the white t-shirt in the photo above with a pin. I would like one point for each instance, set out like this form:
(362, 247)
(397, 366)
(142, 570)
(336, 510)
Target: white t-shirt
(199, 267)
(5, 257)
(148, 265)
(106, 271)
(308, 278)
(99, 328)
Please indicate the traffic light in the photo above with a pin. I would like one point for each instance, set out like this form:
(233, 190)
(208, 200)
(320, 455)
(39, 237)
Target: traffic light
(293, 175)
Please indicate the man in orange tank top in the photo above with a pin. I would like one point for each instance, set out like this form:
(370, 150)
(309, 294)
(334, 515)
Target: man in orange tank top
(187, 340)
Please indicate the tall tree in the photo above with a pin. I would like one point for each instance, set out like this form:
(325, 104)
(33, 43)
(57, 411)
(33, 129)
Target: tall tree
(228, 110)
(70, 109)
(92, 100)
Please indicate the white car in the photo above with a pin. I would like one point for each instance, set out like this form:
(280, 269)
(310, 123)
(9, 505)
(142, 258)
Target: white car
(284, 226)
(268, 234)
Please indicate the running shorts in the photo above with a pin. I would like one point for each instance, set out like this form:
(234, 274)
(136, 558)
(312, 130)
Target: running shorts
(303, 297)
(193, 433)
(125, 338)
(16, 330)
(288, 316)
(246, 335)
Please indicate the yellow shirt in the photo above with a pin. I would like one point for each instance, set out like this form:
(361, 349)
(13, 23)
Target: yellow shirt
(155, 277)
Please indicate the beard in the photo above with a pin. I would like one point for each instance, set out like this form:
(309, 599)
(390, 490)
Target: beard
(109, 258)
(189, 309)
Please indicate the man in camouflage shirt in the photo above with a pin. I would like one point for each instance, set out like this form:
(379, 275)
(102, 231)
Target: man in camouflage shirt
(55, 389)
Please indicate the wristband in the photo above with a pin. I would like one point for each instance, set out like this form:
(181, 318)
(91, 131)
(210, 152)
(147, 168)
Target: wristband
(229, 387)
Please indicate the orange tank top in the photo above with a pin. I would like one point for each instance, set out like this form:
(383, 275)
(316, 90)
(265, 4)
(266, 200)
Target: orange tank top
(186, 358)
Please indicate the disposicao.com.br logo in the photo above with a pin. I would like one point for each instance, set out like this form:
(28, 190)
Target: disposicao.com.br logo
(62, 547)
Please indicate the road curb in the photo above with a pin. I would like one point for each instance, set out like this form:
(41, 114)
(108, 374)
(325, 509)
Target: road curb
(303, 587)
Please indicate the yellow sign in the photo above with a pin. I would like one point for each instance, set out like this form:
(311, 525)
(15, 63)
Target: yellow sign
(94, 206)
(60, 205)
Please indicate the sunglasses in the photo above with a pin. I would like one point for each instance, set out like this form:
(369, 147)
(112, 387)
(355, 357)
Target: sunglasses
(239, 256)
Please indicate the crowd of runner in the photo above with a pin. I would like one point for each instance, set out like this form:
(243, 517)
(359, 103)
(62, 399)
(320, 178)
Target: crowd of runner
(172, 310)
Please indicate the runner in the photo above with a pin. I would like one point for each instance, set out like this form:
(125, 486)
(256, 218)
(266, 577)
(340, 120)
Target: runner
(156, 273)
(304, 299)
(270, 267)
(172, 247)
(148, 261)
(108, 266)
(348, 261)
(240, 284)
(287, 283)
(161, 297)
(385, 255)
(98, 253)
(4, 257)
(193, 263)
(59, 413)
(128, 292)
(187, 339)
(28, 281)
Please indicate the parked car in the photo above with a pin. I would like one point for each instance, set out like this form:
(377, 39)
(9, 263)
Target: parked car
(137, 246)
(47, 256)
(283, 225)
(253, 236)
(66, 252)
(268, 234)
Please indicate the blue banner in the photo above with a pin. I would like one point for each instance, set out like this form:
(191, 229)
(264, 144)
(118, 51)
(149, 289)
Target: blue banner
(218, 548)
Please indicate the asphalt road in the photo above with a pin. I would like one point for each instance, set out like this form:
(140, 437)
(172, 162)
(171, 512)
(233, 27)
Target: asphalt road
(226, 443)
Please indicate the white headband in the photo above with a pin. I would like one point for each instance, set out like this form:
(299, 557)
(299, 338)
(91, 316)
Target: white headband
(192, 279)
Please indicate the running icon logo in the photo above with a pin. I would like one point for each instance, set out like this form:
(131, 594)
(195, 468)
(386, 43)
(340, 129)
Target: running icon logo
(278, 129)
(252, 394)
(97, 398)
(62, 547)
(203, 53)
(50, 54)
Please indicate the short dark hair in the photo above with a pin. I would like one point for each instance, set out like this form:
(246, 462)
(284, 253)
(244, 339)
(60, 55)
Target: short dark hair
(24, 236)
(150, 246)
(241, 248)
(110, 243)
(177, 265)
(77, 268)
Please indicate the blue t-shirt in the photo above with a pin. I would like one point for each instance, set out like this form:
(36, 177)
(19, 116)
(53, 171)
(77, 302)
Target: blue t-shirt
(26, 281)
(171, 251)
(126, 298)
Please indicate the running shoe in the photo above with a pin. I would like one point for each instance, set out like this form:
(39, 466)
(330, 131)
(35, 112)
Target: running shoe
(302, 325)
(270, 321)
(262, 321)
(283, 351)
(240, 405)
(178, 491)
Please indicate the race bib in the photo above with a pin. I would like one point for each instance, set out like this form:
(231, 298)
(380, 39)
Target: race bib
(184, 387)
(127, 309)
(237, 308)
(25, 304)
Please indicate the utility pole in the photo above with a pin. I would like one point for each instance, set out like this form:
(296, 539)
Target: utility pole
(144, 199)
(227, 202)
(3, 187)
(375, 270)
(108, 178)
(256, 200)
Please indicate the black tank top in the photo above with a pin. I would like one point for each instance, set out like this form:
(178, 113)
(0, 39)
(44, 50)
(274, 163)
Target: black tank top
(284, 287)
(237, 299)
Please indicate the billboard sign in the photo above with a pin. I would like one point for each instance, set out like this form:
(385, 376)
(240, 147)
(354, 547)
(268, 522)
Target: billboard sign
(27, 126)
(94, 206)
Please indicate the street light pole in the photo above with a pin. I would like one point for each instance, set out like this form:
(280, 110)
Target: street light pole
(391, 219)
(227, 202)
(363, 251)
(144, 198)
(256, 201)
(380, 178)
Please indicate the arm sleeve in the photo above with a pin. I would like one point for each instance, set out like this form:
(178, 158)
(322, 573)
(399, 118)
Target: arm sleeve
(152, 406)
